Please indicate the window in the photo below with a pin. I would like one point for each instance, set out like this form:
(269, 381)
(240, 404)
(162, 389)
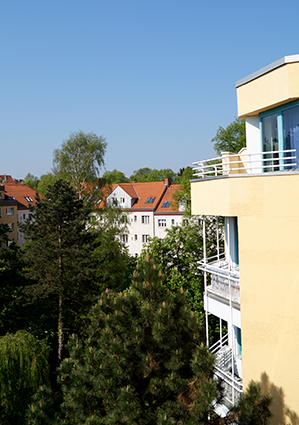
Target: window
(30, 217)
(280, 131)
(28, 198)
(125, 238)
(145, 238)
(172, 221)
(135, 217)
(24, 216)
(185, 222)
(166, 204)
(145, 219)
(162, 222)
(10, 211)
(150, 200)
(135, 237)
(122, 200)
(12, 226)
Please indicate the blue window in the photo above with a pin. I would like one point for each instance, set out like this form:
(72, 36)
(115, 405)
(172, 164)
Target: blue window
(150, 200)
(280, 131)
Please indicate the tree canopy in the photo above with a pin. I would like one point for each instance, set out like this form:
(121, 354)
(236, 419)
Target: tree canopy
(44, 182)
(115, 176)
(140, 175)
(23, 368)
(80, 158)
(57, 253)
(230, 139)
(31, 181)
(142, 362)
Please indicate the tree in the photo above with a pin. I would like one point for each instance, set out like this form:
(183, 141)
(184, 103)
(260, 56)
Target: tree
(178, 255)
(253, 407)
(80, 158)
(161, 175)
(31, 181)
(140, 175)
(58, 254)
(23, 368)
(45, 181)
(115, 176)
(230, 139)
(182, 196)
(142, 363)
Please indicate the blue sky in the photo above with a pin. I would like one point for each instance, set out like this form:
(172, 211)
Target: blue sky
(155, 77)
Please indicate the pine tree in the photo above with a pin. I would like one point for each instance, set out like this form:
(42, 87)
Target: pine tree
(143, 362)
(58, 254)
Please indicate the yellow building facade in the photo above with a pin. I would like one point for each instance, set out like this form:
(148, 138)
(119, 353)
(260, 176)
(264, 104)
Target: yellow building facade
(256, 193)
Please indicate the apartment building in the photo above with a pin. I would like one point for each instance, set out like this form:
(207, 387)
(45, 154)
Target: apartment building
(14, 206)
(150, 210)
(252, 284)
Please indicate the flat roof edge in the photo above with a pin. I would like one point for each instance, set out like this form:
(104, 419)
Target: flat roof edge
(268, 68)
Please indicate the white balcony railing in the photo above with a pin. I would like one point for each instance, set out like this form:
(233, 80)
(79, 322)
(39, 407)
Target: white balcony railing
(226, 369)
(246, 163)
(224, 280)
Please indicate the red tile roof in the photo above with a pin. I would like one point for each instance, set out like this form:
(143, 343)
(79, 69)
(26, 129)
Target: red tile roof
(142, 192)
(7, 177)
(172, 206)
(20, 192)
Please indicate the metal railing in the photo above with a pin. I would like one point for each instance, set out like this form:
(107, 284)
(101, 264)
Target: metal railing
(224, 280)
(246, 163)
(225, 370)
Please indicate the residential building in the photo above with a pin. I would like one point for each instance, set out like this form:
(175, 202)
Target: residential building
(252, 284)
(150, 210)
(14, 206)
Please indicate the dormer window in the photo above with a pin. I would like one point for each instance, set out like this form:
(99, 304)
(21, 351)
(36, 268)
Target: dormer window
(150, 200)
(28, 198)
(166, 204)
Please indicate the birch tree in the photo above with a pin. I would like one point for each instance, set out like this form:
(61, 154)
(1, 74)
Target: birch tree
(80, 158)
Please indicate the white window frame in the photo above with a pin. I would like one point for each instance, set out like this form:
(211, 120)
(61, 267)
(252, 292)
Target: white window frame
(145, 238)
(162, 222)
(10, 211)
(145, 219)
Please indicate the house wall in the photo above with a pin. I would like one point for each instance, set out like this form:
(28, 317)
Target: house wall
(136, 227)
(10, 220)
(267, 207)
(271, 89)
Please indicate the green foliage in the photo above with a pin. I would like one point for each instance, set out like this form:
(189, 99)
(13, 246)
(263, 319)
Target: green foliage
(31, 181)
(45, 181)
(115, 176)
(253, 407)
(58, 254)
(183, 195)
(111, 263)
(148, 175)
(143, 360)
(23, 368)
(140, 175)
(177, 256)
(11, 288)
(230, 139)
(80, 158)
(161, 175)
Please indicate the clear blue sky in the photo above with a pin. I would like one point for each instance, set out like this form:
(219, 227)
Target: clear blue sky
(155, 77)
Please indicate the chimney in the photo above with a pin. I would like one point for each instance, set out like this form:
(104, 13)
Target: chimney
(167, 181)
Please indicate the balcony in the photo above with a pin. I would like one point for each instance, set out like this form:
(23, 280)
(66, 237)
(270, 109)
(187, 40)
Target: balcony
(228, 368)
(246, 163)
(224, 279)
